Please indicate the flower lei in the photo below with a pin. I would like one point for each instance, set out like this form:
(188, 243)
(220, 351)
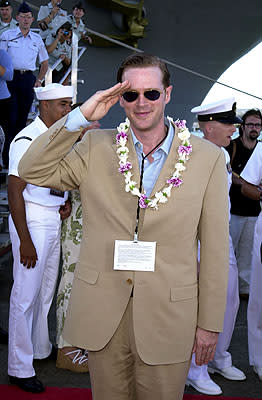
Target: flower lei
(184, 151)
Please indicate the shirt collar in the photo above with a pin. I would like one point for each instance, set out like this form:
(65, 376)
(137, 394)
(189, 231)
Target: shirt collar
(20, 34)
(166, 145)
(42, 126)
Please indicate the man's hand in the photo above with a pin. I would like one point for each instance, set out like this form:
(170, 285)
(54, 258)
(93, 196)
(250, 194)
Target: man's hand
(28, 255)
(38, 83)
(65, 210)
(55, 10)
(204, 346)
(97, 106)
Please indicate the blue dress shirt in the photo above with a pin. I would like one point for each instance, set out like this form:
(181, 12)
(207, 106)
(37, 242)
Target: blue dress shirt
(152, 170)
(6, 62)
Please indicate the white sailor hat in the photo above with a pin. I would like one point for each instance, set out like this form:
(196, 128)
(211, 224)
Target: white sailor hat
(222, 111)
(54, 91)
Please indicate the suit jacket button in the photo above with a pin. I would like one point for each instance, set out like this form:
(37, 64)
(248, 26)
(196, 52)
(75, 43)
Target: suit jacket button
(129, 281)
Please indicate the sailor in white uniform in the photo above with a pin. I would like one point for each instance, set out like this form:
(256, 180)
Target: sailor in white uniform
(252, 174)
(6, 20)
(217, 121)
(49, 18)
(34, 227)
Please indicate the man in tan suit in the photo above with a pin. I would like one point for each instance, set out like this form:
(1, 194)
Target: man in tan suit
(136, 302)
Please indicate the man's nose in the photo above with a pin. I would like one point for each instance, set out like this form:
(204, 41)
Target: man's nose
(141, 100)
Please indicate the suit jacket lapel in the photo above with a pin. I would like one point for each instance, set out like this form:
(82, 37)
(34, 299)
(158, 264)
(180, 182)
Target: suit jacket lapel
(132, 157)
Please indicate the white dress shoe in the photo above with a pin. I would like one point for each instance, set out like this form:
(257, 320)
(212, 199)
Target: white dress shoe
(206, 386)
(231, 373)
(258, 370)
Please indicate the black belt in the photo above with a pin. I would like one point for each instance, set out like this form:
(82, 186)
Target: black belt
(23, 71)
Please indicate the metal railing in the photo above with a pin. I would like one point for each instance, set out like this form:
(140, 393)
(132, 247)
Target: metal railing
(77, 53)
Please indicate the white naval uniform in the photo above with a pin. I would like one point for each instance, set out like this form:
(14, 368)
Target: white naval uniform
(78, 29)
(222, 357)
(61, 49)
(33, 288)
(43, 12)
(4, 26)
(252, 173)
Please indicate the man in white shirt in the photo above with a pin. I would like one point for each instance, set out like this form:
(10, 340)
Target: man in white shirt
(34, 227)
(6, 20)
(252, 174)
(49, 18)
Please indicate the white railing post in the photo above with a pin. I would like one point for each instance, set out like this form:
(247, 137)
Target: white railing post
(74, 65)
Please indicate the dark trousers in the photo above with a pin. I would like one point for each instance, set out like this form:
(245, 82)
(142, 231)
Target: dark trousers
(22, 96)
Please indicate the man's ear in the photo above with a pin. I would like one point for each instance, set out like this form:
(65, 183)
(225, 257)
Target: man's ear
(168, 91)
(121, 101)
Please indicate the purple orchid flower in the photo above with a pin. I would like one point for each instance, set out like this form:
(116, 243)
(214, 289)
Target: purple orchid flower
(175, 182)
(125, 167)
(121, 135)
(185, 149)
(181, 124)
(143, 202)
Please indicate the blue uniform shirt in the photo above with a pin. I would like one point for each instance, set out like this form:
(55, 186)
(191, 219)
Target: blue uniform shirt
(6, 62)
(23, 51)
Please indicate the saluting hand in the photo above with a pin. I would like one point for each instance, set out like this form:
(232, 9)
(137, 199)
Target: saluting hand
(97, 106)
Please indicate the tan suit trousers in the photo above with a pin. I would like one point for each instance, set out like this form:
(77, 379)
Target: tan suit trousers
(118, 373)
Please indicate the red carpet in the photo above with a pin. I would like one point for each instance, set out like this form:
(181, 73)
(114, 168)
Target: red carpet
(8, 392)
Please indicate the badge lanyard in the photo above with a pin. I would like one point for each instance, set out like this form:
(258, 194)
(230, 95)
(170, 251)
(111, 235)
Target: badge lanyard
(141, 184)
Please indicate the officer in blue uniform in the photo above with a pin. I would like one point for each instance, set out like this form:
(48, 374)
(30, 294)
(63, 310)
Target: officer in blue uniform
(24, 47)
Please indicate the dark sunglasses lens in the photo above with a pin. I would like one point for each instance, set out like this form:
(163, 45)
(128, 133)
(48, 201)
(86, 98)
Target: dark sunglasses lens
(152, 95)
(130, 96)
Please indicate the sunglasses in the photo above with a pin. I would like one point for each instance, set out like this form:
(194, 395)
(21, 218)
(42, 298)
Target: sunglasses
(150, 94)
(251, 125)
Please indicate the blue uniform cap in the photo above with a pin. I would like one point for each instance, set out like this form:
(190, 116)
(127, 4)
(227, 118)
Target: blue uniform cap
(24, 8)
(4, 3)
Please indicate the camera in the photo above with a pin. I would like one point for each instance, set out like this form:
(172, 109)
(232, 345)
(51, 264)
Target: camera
(66, 33)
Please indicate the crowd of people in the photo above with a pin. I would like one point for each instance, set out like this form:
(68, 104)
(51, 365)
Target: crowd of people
(148, 298)
(24, 52)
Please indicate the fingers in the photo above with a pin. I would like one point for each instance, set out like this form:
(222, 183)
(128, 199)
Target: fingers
(28, 261)
(205, 345)
(204, 354)
(97, 106)
(115, 90)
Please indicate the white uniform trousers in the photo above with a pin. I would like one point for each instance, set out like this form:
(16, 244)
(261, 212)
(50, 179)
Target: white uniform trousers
(254, 310)
(33, 290)
(242, 233)
(222, 357)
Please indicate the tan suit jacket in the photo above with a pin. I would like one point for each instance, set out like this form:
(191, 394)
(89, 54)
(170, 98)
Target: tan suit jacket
(170, 302)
